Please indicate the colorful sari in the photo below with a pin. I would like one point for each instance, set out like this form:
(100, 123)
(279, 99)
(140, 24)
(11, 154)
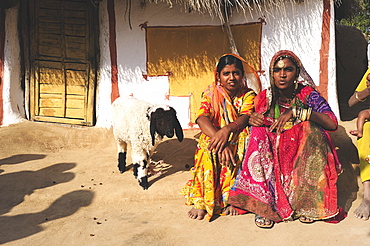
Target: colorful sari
(209, 187)
(363, 144)
(294, 173)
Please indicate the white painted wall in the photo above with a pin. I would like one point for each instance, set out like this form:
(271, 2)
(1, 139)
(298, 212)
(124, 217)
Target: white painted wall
(297, 28)
(13, 96)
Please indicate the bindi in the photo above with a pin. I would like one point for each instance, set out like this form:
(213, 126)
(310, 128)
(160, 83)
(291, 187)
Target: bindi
(280, 64)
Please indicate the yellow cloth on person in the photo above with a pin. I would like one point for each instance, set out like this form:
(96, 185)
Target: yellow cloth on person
(363, 144)
(362, 85)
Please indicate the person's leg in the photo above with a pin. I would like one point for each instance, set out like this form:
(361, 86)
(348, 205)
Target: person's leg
(363, 211)
(362, 117)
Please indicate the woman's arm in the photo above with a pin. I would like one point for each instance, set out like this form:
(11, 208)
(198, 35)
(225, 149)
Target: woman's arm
(206, 126)
(359, 96)
(323, 120)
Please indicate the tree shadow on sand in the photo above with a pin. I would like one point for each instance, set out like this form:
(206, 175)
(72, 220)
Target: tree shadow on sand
(172, 157)
(347, 181)
(24, 225)
(15, 186)
(17, 159)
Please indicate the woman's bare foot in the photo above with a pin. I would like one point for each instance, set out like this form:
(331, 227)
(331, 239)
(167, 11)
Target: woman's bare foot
(230, 210)
(197, 213)
(363, 211)
(356, 133)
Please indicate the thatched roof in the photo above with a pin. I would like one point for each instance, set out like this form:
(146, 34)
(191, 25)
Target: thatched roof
(217, 7)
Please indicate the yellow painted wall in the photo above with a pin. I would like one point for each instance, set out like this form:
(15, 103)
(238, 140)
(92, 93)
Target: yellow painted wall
(191, 54)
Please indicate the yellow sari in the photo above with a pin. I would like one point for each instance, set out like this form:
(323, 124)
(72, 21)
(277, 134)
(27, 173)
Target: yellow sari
(209, 187)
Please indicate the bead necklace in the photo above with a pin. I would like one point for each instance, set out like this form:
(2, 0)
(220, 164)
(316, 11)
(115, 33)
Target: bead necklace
(285, 103)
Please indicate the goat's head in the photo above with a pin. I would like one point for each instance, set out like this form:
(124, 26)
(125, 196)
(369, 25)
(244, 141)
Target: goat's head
(165, 122)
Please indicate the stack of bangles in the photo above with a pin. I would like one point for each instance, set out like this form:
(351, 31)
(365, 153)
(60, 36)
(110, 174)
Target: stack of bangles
(302, 113)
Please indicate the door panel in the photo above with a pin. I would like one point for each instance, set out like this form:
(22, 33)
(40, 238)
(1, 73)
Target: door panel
(63, 61)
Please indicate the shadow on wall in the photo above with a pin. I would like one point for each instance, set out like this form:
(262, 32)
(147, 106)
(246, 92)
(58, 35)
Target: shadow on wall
(352, 62)
(348, 179)
(15, 186)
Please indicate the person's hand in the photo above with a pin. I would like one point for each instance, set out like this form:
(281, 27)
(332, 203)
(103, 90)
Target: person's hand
(226, 157)
(219, 139)
(279, 123)
(368, 85)
(256, 119)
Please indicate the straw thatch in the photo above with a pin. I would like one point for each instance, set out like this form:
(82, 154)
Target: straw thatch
(218, 8)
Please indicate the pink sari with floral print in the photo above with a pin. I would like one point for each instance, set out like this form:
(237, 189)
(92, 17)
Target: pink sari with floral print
(292, 174)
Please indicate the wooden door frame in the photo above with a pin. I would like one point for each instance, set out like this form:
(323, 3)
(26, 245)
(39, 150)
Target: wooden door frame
(27, 78)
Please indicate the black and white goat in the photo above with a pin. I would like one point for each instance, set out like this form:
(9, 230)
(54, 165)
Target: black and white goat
(143, 126)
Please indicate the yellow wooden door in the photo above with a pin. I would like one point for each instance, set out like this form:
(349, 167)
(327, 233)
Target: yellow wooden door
(63, 61)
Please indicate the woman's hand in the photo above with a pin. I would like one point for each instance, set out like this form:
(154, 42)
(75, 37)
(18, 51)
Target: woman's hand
(219, 139)
(279, 123)
(256, 119)
(226, 157)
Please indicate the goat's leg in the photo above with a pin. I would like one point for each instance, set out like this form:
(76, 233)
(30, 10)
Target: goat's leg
(141, 169)
(141, 174)
(122, 153)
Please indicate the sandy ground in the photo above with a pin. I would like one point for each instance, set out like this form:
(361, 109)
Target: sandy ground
(60, 185)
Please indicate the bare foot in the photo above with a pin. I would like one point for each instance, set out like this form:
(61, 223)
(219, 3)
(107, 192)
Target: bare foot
(197, 213)
(230, 210)
(356, 133)
(363, 211)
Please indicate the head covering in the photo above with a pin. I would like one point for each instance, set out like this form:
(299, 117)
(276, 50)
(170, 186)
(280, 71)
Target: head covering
(220, 99)
(303, 77)
(251, 79)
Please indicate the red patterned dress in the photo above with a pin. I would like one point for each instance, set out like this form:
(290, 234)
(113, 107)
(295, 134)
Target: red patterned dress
(292, 174)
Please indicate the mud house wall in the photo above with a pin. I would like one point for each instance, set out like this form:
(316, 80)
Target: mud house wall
(297, 27)
(13, 95)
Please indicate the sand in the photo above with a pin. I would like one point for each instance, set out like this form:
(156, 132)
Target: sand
(59, 185)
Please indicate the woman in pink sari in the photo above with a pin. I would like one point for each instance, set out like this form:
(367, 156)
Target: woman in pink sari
(290, 168)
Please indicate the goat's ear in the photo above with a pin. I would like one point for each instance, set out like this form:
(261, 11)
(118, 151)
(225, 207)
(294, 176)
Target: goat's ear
(178, 130)
(153, 128)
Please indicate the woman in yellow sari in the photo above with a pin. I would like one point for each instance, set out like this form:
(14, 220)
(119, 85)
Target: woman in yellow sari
(223, 116)
(361, 93)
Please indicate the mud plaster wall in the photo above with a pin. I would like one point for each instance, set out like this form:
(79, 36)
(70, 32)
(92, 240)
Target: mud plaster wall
(296, 27)
(13, 96)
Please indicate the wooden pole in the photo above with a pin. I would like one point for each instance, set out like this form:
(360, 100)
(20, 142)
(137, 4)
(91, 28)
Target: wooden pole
(226, 24)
